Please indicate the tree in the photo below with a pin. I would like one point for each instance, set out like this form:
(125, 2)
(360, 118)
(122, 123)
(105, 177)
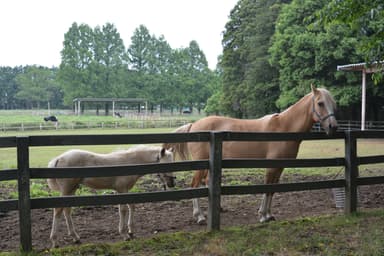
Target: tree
(109, 61)
(365, 18)
(9, 87)
(37, 85)
(308, 55)
(139, 52)
(196, 76)
(250, 85)
(93, 63)
(77, 55)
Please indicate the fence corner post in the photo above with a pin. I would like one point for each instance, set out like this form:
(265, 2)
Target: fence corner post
(24, 203)
(351, 173)
(214, 184)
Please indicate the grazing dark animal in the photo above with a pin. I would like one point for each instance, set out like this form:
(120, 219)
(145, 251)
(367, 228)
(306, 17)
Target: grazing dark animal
(50, 118)
(118, 114)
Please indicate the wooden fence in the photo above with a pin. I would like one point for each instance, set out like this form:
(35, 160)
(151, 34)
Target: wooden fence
(24, 173)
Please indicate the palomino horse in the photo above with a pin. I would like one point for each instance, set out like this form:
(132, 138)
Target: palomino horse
(317, 106)
(122, 184)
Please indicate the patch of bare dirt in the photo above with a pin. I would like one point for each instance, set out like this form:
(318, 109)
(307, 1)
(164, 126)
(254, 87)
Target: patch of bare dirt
(100, 224)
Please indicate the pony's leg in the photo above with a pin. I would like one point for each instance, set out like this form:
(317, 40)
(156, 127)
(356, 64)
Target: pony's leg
(272, 176)
(130, 220)
(123, 210)
(57, 213)
(70, 226)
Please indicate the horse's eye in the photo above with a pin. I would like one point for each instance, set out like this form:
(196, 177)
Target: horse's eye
(320, 104)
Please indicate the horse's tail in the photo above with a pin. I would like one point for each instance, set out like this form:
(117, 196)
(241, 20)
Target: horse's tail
(180, 148)
(52, 182)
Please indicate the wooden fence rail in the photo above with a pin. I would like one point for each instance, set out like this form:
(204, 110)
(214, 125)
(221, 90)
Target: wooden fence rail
(24, 173)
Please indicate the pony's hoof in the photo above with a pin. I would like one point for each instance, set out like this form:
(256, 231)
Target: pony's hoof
(201, 221)
(128, 237)
(267, 219)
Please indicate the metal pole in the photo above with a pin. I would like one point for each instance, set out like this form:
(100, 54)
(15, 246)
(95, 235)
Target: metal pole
(363, 100)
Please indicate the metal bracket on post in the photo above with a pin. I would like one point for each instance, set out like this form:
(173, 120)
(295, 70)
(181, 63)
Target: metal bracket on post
(24, 203)
(351, 173)
(214, 184)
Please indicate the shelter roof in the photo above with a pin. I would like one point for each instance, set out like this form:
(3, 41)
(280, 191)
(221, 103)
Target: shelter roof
(109, 99)
(368, 68)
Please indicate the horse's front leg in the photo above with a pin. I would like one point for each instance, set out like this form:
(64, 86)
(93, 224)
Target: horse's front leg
(265, 208)
(272, 176)
(197, 212)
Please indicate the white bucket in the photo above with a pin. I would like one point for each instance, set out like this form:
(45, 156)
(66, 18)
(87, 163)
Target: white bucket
(339, 197)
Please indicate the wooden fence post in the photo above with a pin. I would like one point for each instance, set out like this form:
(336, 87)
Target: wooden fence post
(351, 173)
(214, 185)
(24, 203)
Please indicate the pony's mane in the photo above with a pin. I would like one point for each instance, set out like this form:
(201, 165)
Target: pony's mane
(139, 148)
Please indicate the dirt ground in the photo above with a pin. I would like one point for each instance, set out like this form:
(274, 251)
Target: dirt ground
(99, 224)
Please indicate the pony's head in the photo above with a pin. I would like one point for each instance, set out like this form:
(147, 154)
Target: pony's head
(166, 156)
(323, 109)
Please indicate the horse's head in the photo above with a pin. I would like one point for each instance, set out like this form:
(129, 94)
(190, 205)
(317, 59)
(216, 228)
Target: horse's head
(166, 156)
(323, 109)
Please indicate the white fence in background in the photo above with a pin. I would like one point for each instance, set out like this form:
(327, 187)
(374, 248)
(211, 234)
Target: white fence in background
(154, 123)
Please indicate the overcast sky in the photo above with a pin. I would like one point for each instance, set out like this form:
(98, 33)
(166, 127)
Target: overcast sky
(32, 31)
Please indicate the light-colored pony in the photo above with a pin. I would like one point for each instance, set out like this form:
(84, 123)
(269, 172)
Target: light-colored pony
(317, 106)
(122, 184)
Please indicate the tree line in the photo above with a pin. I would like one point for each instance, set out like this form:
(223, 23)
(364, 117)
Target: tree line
(272, 51)
(95, 63)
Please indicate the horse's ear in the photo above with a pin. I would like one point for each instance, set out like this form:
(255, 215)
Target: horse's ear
(314, 89)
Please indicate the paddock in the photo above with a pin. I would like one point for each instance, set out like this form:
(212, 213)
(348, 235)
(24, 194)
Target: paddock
(214, 192)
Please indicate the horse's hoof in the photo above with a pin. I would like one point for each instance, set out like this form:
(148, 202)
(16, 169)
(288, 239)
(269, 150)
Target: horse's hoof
(131, 236)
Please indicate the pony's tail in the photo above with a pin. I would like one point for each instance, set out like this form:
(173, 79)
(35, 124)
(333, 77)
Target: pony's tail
(52, 182)
(181, 148)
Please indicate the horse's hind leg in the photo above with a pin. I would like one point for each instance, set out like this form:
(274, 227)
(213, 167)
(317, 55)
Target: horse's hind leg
(57, 213)
(70, 226)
